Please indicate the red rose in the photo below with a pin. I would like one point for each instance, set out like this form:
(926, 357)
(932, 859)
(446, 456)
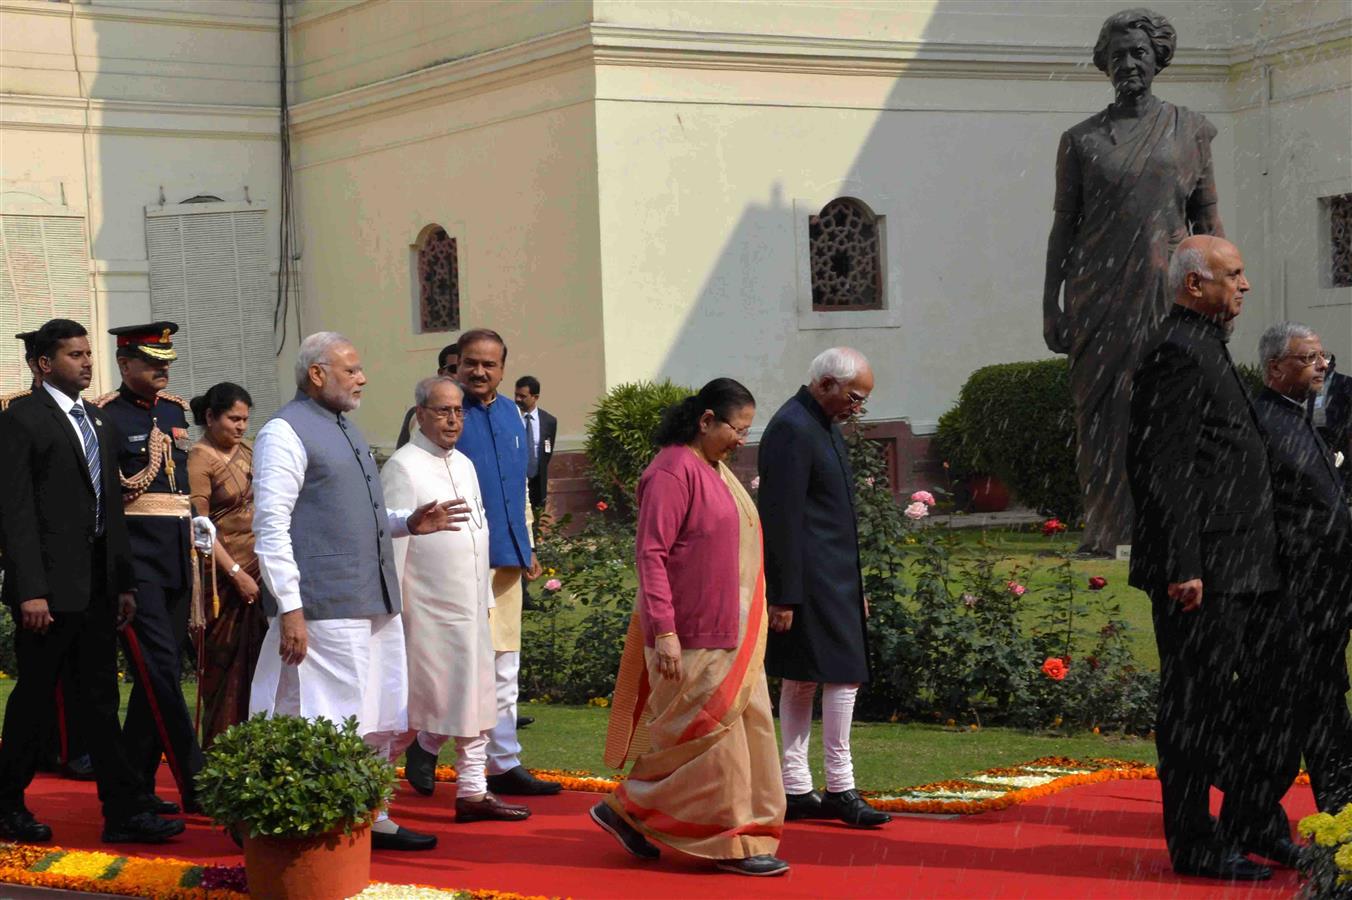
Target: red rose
(602, 506)
(1097, 583)
(1052, 526)
(1054, 668)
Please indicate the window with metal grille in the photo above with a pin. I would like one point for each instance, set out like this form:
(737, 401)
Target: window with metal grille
(847, 270)
(438, 281)
(209, 273)
(1340, 240)
(44, 274)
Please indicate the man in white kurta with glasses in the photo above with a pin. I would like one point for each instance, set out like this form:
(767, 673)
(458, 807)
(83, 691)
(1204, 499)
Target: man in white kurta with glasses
(335, 641)
(447, 586)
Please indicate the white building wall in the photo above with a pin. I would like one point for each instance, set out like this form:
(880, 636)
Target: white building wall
(110, 106)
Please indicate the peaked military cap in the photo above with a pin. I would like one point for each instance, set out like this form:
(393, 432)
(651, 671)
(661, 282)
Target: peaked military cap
(27, 338)
(152, 341)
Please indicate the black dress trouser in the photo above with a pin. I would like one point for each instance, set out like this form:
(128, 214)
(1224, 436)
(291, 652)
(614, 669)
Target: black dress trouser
(161, 626)
(1226, 717)
(81, 649)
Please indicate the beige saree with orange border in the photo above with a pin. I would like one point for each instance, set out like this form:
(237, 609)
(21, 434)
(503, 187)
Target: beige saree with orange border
(705, 778)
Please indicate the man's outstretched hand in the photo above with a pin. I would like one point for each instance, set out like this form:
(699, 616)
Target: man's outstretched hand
(439, 515)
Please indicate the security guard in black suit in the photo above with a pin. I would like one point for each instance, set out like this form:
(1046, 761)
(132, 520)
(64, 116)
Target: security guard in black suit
(66, 753)
(153, 459)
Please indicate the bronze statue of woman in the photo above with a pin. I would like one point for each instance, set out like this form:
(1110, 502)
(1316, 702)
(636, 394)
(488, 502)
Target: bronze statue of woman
(1131, 183)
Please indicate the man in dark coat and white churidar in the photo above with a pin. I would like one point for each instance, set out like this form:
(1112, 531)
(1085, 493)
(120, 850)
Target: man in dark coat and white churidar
(813, 583)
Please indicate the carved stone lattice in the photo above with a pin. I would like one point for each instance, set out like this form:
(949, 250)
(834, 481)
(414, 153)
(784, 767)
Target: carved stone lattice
(847, 270)
(439, 283)
(1340, 240)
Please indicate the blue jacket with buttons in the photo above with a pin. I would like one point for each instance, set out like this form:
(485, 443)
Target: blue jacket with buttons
(494, 439)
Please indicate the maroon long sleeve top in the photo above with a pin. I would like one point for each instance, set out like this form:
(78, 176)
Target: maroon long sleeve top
(686, 552)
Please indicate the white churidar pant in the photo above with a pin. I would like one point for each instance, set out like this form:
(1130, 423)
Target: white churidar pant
(795, 724)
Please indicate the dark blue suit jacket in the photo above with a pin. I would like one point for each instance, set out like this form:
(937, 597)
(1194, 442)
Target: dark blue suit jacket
(1314, 524)
(806, 503)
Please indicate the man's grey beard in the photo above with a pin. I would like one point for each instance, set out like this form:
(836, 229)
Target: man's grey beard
(337, 400)
(1227, 330)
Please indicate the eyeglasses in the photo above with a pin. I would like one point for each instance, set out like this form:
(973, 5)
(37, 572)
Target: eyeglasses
(740, 432)
(353, 371)
(856, 398)
(1308, 359)
(446, 412)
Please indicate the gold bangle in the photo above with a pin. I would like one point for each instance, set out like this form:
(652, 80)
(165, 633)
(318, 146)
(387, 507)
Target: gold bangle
(668, 634)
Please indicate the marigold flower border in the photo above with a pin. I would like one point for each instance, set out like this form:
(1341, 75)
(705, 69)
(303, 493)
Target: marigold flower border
(159, 878)
(1081, 772)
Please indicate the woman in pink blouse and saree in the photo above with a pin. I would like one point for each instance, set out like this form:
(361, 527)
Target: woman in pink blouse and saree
(691, 706)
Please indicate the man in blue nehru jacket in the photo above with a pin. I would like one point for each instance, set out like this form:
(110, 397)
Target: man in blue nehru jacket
(494, 439)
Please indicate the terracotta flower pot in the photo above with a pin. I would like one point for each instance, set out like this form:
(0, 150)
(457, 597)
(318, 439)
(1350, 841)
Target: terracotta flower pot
(329, 866)
(989, 494)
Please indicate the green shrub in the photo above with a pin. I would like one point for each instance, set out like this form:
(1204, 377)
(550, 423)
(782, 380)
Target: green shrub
(1016, 421)
(575, 635)
(620, 436)
(291, 777)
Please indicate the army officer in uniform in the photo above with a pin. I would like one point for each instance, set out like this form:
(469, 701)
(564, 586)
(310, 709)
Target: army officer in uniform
(153, 459)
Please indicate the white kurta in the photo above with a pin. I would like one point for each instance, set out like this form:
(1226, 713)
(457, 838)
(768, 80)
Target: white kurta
(352, 667)
(447, 589)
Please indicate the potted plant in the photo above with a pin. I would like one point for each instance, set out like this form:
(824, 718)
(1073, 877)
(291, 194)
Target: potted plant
(301, 794)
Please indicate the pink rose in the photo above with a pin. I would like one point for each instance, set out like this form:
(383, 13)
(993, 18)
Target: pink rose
(755, 483)
(916, 511)
(869, 481)
(1016, 589)
(924, 497)
(553, 584)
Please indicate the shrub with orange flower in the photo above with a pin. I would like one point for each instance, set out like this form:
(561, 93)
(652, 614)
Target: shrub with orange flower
(1055, 668)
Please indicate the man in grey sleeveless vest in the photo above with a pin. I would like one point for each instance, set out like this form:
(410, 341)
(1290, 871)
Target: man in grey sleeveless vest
(335, 642)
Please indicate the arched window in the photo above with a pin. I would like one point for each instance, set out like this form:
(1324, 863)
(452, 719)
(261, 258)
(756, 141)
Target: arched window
(847, 271)
(438, 281)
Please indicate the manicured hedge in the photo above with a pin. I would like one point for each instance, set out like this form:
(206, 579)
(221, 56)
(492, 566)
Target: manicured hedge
(1015, 421)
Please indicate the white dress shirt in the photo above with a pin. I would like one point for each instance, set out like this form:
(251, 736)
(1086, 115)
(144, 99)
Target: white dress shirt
(534, 417)
(279, 462)
(66, 404)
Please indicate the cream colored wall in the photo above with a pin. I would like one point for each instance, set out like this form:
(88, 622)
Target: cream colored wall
(1293, 125)
(340, 45)
(708, 172)
(113, 104)
(509, 171)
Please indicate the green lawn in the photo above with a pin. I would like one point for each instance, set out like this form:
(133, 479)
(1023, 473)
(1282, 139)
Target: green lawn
(885, 755)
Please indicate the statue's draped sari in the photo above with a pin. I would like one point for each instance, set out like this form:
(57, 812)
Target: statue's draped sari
(1132, 183)
(705, 778)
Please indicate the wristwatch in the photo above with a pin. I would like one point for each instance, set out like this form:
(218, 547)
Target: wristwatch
(234, 570)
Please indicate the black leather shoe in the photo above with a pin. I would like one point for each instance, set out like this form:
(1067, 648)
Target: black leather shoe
(420, 768)
(523, 721)
(19, 825)
(1284, 852)
(850, 808)
(804, 806)
(81, 768)
(755, 865)
(402, 839)
(142, 828)
(489, 809)
(1230, 865)
(153, 804)
(521, 783)
(622, 831)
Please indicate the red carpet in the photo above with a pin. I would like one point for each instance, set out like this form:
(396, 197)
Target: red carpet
(1096, 841)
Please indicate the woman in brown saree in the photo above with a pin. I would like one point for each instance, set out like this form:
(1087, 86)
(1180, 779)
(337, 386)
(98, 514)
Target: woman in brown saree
(691, 706)
(220, 476)
(1131, 183)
